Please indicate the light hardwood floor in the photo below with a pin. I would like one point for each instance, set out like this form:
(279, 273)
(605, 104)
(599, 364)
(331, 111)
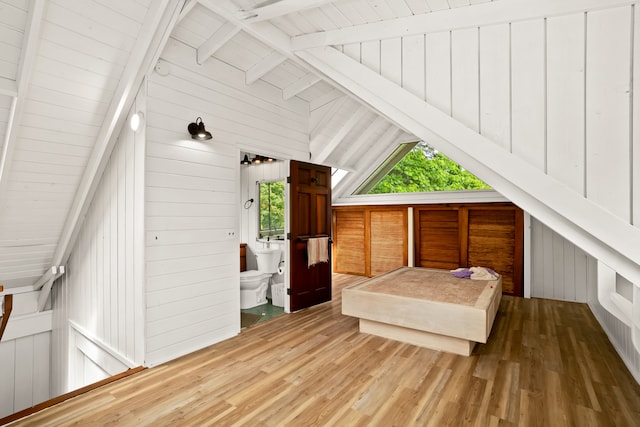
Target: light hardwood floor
(546, 363)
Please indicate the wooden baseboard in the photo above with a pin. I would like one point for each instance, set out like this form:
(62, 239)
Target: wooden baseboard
(51, 402)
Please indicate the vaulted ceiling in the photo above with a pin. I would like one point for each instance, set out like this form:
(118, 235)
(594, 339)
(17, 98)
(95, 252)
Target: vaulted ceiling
(70, 69)
(68, 74)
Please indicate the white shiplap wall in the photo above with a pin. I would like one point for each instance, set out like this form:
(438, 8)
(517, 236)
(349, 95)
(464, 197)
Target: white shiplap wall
(559, 269)
(100, 291)
(24, 374)
(192, 206)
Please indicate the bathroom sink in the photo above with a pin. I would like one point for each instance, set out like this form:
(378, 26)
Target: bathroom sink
(266, 250)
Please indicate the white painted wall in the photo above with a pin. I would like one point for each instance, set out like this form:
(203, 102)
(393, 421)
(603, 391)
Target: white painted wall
(100, 292)
(25, 369)
(559, 269)
(193, 207)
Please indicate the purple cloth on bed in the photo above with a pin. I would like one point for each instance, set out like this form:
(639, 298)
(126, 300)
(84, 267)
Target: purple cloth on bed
(462, 273)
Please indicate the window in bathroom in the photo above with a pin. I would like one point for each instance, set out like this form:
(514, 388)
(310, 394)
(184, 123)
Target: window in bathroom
(271, 220)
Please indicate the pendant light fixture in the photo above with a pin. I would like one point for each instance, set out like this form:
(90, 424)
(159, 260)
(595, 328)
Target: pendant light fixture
(245, 161)
(197, 130)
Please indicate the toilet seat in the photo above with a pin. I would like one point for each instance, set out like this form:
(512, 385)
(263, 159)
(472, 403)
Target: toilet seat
(250, 274)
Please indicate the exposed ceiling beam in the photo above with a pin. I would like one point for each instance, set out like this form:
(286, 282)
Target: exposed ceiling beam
(8, 87)
(186, 9)
(216, 41)
(156, 29)
(303, 83)
(562, 209)
(339, 136)
(263, 31)
(263, 66)
(491, 13)
(25, 69)
(280, 8)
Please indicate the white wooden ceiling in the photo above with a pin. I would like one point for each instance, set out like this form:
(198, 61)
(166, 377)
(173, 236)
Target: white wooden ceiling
(64, 70)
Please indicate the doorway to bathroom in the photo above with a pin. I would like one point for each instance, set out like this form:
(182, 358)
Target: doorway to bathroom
(263, 227)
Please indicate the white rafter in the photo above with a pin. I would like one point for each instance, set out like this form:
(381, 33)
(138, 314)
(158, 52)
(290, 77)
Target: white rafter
(495, 12)
(263, 66)
(339, 136)
(280, 8)
(161, 18)
(576, 218)
(263, 31)
(305, 82)
(27, 59)
(216, 41)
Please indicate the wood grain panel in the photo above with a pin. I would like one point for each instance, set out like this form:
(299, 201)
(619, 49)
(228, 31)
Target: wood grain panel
(388, 240)
(438, 238)
(493, 244)
(349, 241)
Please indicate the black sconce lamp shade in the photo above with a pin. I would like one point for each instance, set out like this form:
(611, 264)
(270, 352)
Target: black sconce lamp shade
(197, 130)
(245, 161)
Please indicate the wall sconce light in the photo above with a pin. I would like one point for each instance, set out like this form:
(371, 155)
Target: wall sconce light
(257, 160)
(136, 121)
(245, 161)
(197, 130)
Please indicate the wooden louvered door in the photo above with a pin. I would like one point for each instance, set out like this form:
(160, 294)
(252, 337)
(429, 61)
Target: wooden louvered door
(495, 240)
(369, 240)
(487, 235)
(438, 238)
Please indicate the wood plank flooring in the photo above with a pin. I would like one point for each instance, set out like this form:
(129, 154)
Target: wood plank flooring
(547, 363)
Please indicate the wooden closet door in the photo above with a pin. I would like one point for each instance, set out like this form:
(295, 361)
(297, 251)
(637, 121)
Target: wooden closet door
(388, 231)
(438, 238)
(495, 240)
(349, 241)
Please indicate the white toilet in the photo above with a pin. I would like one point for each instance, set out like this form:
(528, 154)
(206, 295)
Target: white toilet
(254, 283)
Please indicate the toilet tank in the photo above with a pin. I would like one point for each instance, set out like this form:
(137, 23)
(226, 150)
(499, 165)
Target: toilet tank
(268, 259)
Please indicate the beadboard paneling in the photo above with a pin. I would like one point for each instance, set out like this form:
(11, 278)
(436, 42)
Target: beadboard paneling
(99, 290)
(25, 372)
(559, 269)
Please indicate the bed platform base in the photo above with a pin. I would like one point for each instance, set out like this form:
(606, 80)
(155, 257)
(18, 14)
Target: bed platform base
(425, 307)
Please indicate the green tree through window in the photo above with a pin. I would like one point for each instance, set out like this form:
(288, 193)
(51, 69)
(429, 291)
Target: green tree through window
(424, 169)
(271, 209)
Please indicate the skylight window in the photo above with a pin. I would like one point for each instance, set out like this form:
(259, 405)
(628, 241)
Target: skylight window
(419, 168)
